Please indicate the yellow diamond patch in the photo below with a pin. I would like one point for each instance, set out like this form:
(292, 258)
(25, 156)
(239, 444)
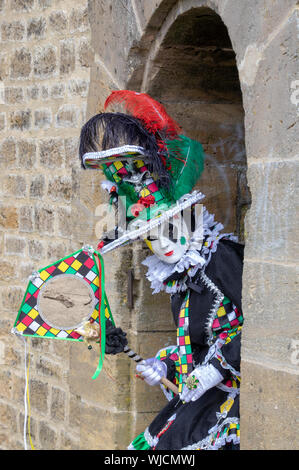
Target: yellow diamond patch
(63, 266)
(76, 265)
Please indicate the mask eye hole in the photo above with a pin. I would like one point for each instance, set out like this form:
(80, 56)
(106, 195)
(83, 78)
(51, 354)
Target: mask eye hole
(171, 232)
(151, 238)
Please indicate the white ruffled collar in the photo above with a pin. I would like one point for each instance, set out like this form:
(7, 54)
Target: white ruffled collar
(196, 257)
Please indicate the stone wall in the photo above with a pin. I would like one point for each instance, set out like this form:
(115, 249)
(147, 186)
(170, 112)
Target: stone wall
(44, 81)
(232, 78)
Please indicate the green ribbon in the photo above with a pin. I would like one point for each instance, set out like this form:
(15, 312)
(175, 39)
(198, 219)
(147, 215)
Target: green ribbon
(102, 321)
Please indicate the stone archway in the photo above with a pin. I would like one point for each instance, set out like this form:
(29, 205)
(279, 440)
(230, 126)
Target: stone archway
(191, 68)
(194, 74)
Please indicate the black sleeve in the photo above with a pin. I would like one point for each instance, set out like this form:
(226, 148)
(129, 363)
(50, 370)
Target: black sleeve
(231, 354)
(225, 270)
(170, 368)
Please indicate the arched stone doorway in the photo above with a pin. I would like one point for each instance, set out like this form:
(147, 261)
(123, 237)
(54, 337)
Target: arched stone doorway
(194, 74)
(192, 70)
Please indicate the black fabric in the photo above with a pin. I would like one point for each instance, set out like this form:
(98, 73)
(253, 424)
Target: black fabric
(194, 420)
(225, 270)
(231, 353)
(115, 339)
(170, 368)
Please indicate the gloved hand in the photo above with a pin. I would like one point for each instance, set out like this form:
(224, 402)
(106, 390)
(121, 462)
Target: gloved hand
(152, 370)
(199, 381)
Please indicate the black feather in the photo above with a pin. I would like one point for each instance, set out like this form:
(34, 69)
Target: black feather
(109, 130)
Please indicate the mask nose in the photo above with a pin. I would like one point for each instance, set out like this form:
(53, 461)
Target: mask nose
(163, 242)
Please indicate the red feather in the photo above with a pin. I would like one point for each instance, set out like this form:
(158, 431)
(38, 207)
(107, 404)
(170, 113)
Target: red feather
(152, 114)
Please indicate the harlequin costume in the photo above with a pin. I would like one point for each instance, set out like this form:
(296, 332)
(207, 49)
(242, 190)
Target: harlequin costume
(145, 159)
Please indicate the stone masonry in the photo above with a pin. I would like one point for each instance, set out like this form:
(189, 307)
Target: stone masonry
(226, 70)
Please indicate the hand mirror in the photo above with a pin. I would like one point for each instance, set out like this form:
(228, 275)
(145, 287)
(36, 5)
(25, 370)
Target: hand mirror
(62, 296)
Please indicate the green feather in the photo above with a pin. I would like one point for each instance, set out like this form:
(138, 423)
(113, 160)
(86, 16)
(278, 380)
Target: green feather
(185, 161)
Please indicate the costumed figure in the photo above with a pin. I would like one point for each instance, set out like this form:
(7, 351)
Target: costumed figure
(151, 170)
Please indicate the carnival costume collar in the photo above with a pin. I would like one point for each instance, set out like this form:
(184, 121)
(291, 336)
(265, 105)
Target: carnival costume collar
(196, 257)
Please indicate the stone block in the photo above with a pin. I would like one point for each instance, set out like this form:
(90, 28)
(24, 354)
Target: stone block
(268, 403)
(2, 121)
(67, 57)
(58, 22)
(12, 297)
(44, 219)
(35, 249)
(13, 31)
(78, 87)
(7, 270)
(58, 405)
(113, 381)
(20, 64)
(45, 92)
(103, 429)
(8, 417)
(255, 28)
(268, 299)
(272, 222)
(26, 153)
(142, 421)
(121, 35)
(32, 92)
(13, 95)
(74, 413)
(71, 145)
(1, 243)
(26, 219)
(51, 153)
(57, 250)
(68, 441)
(8, 217)
(67, 116)
(37, 187)
(21, 6)
(14, 245)
(36, 28)
(65, 222)
(272, 122)
(57, 91)
(6, 378)
(60, 188)
(4, 66)
(44, 4)
(45, 61)
(39, 396)
(47, 367)
(85, 53)
(15, 185)
(8, 153)
(20, 120)
(79, 21)
(42, 118)
(25, 269)
(48, 436)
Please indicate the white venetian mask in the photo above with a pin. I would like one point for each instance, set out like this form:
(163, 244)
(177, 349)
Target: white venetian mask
(170, 241)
